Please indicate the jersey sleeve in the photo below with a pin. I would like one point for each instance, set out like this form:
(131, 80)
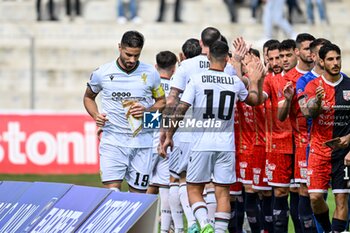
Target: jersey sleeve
(300, 87)
(157, 88)
(179, 78)
(310, 90)
(189, 93)
(230, 70)
(95, 82)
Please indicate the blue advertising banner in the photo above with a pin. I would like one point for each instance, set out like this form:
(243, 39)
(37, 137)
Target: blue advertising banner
(71, 210)
(10, 192)
(119, 212)
(32, 206)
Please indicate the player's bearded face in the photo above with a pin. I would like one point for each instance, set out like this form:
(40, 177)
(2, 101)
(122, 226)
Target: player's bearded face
(129, 57)
(275, 61)
(332, 63)
(305, 53)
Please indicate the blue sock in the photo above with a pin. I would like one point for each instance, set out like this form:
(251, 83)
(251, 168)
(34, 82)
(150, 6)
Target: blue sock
(338, 225)
(252, 210)
(280, 214)
(305, 213)
(267, 212)
(323, 219)
(294, 203)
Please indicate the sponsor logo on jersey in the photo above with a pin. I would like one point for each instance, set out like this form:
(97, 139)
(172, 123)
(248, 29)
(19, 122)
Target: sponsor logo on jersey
(120, 95)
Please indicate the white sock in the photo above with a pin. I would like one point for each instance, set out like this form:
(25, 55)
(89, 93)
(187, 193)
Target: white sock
(211, 205)
(115, 189)
(221, 221)
(165, 217)
(175, 207)
(186, 205)
(201, 212)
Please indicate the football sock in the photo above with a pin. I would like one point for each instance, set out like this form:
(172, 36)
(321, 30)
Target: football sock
(175, 207)
(185, 205)
(201, 212)
(221, 221)
(294, 203)
(280, 214)
(252, 211)
(165, 216)
(305, 214)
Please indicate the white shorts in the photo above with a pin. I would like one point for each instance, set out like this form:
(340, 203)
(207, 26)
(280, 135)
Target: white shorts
(160, 173)
(178, 159)
(133, 164)
(215, 166)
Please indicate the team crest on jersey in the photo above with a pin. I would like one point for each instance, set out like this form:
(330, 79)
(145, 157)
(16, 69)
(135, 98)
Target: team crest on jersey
(144, 78)
(256, 179)
(111, 77)
(346, 95)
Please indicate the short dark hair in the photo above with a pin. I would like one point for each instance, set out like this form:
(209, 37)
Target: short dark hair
(133, 39)
(303, 37)
(219, 50)
(210, 35)
(191, 48)
(327, 48)
(269, 43)
(317, 42)
(273, 46)
(255, 52)
(287, 45)
(166, 59)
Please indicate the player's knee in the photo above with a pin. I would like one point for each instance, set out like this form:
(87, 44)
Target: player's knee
(316, 198)
(281, 192)
(341, 200)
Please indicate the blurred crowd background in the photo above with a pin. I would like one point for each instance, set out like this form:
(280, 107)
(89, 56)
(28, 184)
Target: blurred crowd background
(48, 48)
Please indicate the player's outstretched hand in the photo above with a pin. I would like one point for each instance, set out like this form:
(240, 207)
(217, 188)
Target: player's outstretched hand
(241, 49)
(137, 110)
(288, 91)
(101, 119)
(255, 68)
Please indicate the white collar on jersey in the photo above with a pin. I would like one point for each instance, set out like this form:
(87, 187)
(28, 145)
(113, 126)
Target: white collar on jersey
(314, 73)
(335, 83)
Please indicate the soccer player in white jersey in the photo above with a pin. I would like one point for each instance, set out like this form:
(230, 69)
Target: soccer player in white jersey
(178, 161)
(128, 88)
(159, 182)
(213, 94)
